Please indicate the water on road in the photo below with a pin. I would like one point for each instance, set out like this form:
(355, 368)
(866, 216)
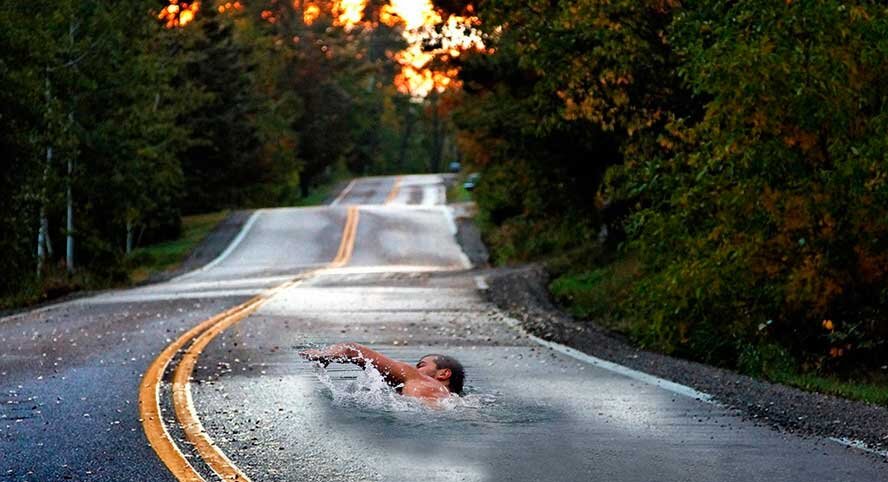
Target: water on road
(528, 412)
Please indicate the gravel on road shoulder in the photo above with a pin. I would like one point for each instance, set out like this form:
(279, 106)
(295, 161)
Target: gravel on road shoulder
(468, 235)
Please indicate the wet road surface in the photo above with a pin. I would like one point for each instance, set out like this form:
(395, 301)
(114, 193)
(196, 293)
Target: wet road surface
(70, 375)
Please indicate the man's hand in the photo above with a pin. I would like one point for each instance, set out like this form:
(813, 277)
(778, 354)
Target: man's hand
(393, 371)
(316, 355)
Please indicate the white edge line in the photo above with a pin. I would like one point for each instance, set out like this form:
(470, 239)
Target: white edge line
(466, 262)
(344, 193)
(673, 387)
(481, 283)
(656, 381)
(36, 311)
(859, 445)
(79, 301)
(451, 223)
(231, 247)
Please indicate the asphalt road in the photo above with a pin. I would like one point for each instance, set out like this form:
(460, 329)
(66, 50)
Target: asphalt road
(71, 376)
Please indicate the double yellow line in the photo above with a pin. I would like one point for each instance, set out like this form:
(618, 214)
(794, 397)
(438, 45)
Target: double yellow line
(347, 245)
(199, 337)
(396, 189)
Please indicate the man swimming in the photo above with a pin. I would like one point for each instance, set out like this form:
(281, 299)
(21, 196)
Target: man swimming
(434, 377)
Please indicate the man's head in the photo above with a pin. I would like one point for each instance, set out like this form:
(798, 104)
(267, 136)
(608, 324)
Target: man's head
(445, 369)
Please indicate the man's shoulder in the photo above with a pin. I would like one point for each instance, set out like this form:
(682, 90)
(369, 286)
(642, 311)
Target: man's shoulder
(425, 387)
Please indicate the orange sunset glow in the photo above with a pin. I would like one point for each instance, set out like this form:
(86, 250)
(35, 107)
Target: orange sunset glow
(348, 13)
(178, 14)
(421, 25)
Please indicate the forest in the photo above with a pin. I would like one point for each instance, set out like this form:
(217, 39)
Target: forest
(121, 117)
(706, 177)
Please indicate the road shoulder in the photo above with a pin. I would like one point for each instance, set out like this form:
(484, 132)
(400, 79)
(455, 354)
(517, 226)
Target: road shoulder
(521, 293)
(216, 241)
(203, 253)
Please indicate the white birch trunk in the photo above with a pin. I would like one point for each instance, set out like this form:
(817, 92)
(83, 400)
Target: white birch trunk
(69, 225)
(41, 233)
(69, 242)
(43, 224)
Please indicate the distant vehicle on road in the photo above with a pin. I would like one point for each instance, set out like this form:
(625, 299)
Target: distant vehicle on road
(471, 181)
(455, 166)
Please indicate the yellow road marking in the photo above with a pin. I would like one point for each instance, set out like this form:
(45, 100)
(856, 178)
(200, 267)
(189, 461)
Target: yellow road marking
(347, 245)
(149, 401)
(184, 406)
(203, 334)
(394, 192)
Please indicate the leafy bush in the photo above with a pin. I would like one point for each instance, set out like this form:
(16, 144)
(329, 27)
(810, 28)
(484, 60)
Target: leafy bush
(774, 208)
(740, 146)
(598, 293)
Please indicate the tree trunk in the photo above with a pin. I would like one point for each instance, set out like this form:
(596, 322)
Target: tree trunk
(43, 224)
(436, 135)
(41, 237)
(69, 228)
(129, 236)
(46, 239)
(405, 139)
(44, 246)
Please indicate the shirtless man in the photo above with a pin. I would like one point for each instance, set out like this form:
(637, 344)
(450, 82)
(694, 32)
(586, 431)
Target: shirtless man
(433, 378)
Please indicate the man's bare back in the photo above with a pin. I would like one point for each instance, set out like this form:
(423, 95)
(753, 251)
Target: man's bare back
(434, 377)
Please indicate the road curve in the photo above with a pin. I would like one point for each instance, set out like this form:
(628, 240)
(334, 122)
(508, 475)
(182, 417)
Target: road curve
(70, 375)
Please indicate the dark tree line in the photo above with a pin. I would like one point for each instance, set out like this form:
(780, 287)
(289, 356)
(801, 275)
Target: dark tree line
(114, 125)
(714, 172)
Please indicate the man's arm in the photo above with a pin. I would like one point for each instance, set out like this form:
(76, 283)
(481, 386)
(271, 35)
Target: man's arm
(394, 372)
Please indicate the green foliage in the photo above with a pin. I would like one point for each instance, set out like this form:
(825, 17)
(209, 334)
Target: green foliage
(20, 120)
(154, 258)
(74, 72)
(539, 177)
(765, 359)
(771, 209)
(599, 293)
(745, 169)
(143, 123)
(456, 193)
(222, 159)
(872, 390)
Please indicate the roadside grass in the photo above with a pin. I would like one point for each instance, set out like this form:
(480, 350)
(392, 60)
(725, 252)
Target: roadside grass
(156, 258)
(56, 283)
(872, 389)
(456, 193)
(141, 263)
(318, 195)
(596, 293)
(35, 291)
(139, 266)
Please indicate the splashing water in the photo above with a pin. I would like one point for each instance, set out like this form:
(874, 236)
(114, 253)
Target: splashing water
(368, 396)
(368, 391)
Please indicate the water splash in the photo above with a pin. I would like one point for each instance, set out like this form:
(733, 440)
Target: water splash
(367, 396)
(367, 391)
